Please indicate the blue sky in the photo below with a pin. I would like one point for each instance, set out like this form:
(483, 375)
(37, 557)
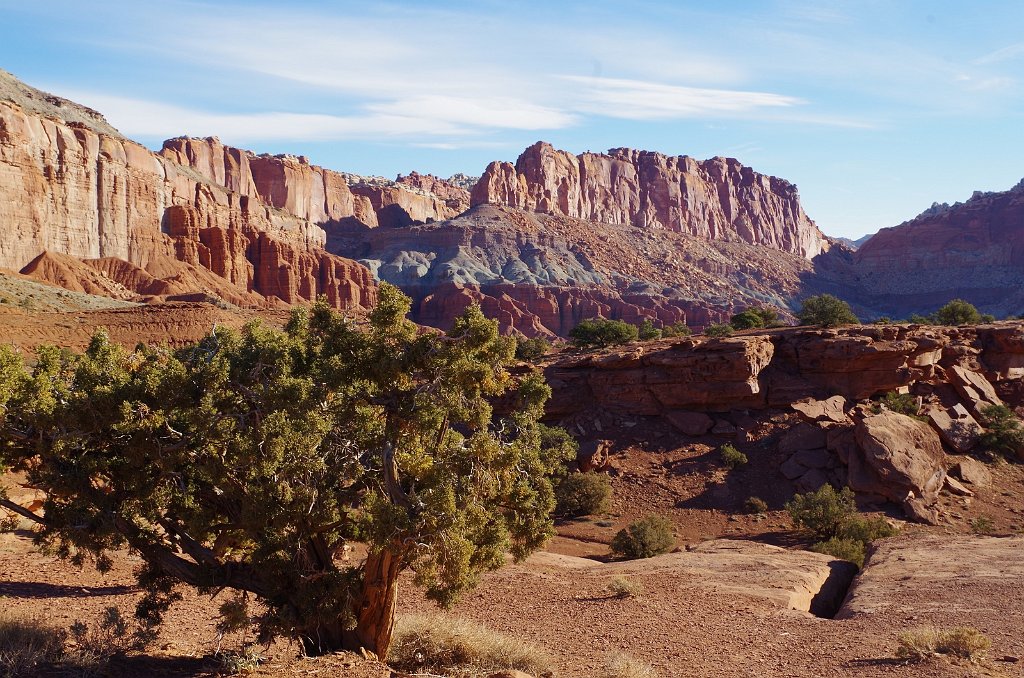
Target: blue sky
(875, 109)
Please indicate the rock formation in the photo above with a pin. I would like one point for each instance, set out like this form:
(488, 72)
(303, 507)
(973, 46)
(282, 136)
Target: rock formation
(972, 250)
(71, 185)
(716, 199)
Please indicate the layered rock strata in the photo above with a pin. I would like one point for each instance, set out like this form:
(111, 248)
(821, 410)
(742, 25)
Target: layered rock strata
(716, 199)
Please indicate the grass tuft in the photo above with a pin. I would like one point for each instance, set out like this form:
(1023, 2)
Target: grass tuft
(623, 666)
(26, 646)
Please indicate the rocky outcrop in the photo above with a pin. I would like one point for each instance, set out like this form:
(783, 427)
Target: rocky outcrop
(972, 250)
(70, 185)
(898, 456)
(452, 190)
(716, 199)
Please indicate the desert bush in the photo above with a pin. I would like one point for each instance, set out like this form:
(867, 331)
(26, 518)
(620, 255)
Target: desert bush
(826, 310)
(903, 403)
(844, 549)
(957, 312)
(27, 645)
(114, 635)
(624, 587)
(584, 494)
(718, 331)
(987, 318)
(532, 349)
(832, 517)
(883, 320)
(963, 641)
(755, 505)
(731, 457)
(1004, 434)
(755, 318)
(245, 660)
(647, 331)
(676, 330)
(623, 666)
(601, 332)
(452, 646)
(983, 525)
(644, 538)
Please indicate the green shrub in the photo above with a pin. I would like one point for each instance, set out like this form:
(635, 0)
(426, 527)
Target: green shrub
(647, 331)
(755, 505)
(532, 349)
(957, 312)
(623, 587)
(832, 517)
(987, 318)
(844, 549)
(717, 331)
(823, 512)
(903, 403)
(826, 310)
(584, 494)
(918, 319)
(676, 330)
(883, 320)
(1003, 434)
(754, 318)
(731, 457)
(601, 332)
(439, 644)
(983, 525)
(644, 538)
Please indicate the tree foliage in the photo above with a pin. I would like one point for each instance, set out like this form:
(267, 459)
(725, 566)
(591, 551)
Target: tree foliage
(646, 331)
(250, 460)
(832, 517)
(826, 310)
(957, 312)
(716, 331)
(755, 318)
(1004, 433)
(601, 333)
(644, 538)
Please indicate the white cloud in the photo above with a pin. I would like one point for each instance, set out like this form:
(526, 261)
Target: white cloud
(503, 112)
(639, 100)
(1004, 54)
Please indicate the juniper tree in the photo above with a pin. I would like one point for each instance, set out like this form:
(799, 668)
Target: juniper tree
(250, 460)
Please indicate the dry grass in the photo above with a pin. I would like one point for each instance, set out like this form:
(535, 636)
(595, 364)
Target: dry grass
(624, 666)
(27, 645)
(623, 587)
(452, 646)
(962, 641)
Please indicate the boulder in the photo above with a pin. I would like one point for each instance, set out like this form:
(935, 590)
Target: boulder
(919, 511)
(830, 410)
(811, 481)
(956, 427)
(593, 455)
(903, 453)
(690, 423)
(953, 486)
(802, 437)
(972, 471)
(974, 388)
(818, 458)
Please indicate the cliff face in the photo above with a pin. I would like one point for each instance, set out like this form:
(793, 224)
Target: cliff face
(717, 199)
(972, 250)
(70, 185)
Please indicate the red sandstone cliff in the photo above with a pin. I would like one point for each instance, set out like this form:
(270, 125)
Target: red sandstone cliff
(717, 199)
(71, 185)
(973, 250)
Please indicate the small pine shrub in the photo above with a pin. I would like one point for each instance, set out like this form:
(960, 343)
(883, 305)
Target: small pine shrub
(601, 333)
(903, 403)
(647, 331)
(756, 505)
(623, 587)
(644, 538)
(844, 549)
(676, 330)
(731, 457)
(718, 331)
(987, 318)
(1003, 434)
(826, 310)
(584, 494)
(747, 320)
(532, 349)
(957, 312)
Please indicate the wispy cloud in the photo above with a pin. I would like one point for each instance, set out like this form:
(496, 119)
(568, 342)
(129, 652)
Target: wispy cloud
(639, 100)
(1000, 55)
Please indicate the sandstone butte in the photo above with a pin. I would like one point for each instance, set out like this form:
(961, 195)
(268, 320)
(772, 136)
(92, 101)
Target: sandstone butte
(86, 208)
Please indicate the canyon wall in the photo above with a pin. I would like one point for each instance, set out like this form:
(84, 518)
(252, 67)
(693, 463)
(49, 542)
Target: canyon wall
(972, 250)
(717, 199)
